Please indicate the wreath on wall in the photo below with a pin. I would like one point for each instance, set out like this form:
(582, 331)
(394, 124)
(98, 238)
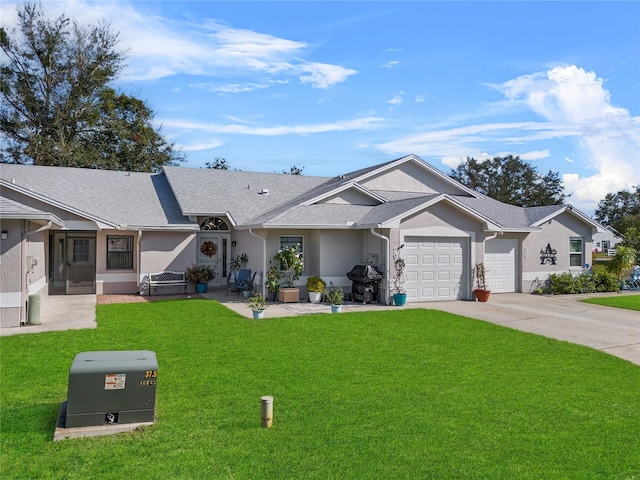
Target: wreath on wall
(209, 249)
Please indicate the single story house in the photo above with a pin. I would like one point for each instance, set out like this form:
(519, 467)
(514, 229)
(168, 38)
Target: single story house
(606, 240)
(71, 231)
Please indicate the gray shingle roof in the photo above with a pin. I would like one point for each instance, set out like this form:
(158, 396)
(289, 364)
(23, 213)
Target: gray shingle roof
(118, 198)
(11, 209)
(166, 200)
(211, 191)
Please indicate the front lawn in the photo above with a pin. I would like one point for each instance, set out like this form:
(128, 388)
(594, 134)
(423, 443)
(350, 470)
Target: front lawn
(400, 394)
(631, 302)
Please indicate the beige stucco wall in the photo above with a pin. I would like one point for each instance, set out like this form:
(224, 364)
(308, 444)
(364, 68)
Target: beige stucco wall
(10, 274)
(166, 250)
(556, 233)
(327, 254)
(115, 281)
(17, 279)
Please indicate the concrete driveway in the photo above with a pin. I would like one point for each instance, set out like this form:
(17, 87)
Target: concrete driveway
(612, 330)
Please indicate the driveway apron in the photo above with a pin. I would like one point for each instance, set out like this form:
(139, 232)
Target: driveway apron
(612, 330)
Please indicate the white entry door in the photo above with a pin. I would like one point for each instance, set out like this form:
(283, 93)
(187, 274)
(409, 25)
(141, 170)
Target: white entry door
(437, 268)
(211, 250)
(500, 262)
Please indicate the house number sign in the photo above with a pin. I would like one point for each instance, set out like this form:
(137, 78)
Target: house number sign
(548, 255)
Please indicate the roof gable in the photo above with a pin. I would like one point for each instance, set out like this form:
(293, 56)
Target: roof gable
(411, 174)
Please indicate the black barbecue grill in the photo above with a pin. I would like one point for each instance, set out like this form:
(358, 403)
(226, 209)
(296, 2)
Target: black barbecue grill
(365, 283)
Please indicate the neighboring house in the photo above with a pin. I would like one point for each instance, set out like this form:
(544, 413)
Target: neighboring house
(606, 240)
(97, 231)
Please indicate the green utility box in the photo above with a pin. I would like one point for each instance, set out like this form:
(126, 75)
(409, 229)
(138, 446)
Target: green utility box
(112, 387)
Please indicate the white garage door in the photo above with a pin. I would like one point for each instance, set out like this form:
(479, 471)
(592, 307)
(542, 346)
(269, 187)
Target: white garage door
(500, 262)
(437, 268)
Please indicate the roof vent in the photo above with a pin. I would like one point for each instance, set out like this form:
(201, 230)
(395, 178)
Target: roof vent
(265, 191)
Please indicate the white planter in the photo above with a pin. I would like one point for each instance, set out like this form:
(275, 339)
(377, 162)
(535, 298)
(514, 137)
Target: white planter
(336, 308)
(258, 314)
(315, 297)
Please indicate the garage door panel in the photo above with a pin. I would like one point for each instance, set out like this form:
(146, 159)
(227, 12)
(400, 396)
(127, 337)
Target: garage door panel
(427, 260)
(440, 271)
(500, 262)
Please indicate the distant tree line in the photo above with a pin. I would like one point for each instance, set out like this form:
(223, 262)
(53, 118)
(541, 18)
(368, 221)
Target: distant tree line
(56, 105)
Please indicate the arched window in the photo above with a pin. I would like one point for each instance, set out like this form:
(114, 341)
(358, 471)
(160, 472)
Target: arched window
(214, 223)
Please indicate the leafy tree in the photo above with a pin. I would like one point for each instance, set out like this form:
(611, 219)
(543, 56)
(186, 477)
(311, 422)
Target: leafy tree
(511, 180)
(56, 106)
(620, 210)
(294, 171)
(632, 240)
(219, 164)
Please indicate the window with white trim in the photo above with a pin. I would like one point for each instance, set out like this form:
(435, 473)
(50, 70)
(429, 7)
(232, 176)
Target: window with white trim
(576, 252)
(292, 241)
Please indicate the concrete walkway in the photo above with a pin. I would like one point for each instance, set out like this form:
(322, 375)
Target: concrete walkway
(612, 330)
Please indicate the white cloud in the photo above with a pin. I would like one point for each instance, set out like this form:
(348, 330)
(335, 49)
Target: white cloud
(159, 47)
(390, 64)
(341, 126)
(609, 136)
(194, 147)
(535, 155)
(323, 75)
(396, 100)
(575, 107)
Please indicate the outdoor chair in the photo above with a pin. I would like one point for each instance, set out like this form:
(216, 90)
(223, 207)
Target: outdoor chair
(634, 279)
(240, 283)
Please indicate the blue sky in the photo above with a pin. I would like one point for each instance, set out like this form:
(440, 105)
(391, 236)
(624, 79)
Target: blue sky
(336, 86)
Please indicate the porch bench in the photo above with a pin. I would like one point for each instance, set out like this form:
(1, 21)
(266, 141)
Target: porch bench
(164, 279)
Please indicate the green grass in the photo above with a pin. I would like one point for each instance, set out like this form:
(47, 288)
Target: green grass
(631, 302)
(401, 394)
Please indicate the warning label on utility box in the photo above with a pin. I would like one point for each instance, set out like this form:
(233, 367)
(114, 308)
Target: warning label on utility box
(115, 381)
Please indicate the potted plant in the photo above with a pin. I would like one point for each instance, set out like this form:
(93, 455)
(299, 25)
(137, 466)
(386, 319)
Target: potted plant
(239, 261)
(248, 291)
(397, 285)
(201, 275)
(481, 291)
(290, 261)
(315, 287)
(335, 297)
(272, 283)
(258, 304)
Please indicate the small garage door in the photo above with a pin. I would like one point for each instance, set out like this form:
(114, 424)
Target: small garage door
(437, 268)
(500, 262)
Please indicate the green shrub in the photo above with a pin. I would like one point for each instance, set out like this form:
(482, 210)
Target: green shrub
(566, 283)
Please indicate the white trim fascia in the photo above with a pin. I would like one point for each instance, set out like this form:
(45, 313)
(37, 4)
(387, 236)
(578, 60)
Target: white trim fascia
(54, 203)
(10, 300)
(417, 160)
(342, 226)
(150, 228)
(515, 230)
(34, 217)
(342, 188)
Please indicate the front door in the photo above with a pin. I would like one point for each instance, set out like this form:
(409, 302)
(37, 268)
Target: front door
(212, 248)
(72, 263)
(81, 265)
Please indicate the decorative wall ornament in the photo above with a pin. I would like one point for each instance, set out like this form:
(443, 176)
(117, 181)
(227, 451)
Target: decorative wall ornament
(209, 249)
(548, 255)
